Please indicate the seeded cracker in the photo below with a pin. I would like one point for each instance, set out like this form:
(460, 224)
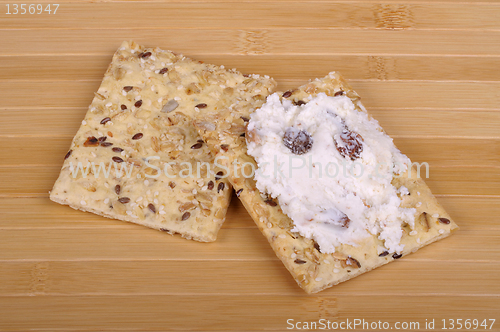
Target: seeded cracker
(144, 108)
(312, 269)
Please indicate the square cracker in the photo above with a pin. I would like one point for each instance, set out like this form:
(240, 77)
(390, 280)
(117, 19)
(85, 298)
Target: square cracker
(311, 269)
(144, 108)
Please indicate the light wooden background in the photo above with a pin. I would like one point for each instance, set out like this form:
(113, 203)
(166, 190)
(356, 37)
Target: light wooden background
(428, 71)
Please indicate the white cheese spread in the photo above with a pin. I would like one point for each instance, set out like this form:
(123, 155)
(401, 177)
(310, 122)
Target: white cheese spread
(330, 167)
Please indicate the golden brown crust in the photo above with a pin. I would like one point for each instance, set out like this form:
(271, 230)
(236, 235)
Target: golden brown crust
(313, 270)
(144, 108)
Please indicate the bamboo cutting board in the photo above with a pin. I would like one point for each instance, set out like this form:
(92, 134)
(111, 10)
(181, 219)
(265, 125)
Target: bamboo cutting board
(428, 71)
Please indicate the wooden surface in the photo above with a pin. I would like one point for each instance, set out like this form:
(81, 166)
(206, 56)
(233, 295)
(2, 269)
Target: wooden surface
(428, 71)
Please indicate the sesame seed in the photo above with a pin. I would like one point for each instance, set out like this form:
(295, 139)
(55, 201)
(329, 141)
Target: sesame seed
(419, 204)
(418, 193)
(146, 182)
(83, 202)
(441, 231)
(269, 225)
(418, 240)
(156, 193)
(155, 201)
(282, 236)
(106, 201)
(84, 122)
(318, 279)
(413, 233)
(336, 270)
(293, 255)
(435, 215)
(109, 104)
(162, 212)
(326, 261)
(139, 199)
(177, 98)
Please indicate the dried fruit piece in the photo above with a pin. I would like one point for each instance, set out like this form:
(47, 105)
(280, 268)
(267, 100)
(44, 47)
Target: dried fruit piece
(68, 154)
(171, 184)
(105, 120)
(350, 144)
(298, 141)
(444, 220)
(185, 216)
(124, 200)
(170, 106)
(91, 141)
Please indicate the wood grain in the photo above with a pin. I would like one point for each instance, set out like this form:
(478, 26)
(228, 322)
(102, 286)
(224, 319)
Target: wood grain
(280, 67)
(427, 70)
(378, 94)
(267, 15)
(254, 41)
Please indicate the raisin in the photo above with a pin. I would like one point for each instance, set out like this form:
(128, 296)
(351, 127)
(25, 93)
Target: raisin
(298, 141)
(351, 146)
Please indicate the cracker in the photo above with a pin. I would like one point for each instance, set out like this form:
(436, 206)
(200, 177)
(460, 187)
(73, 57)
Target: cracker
(313, 270)
(144, 109)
